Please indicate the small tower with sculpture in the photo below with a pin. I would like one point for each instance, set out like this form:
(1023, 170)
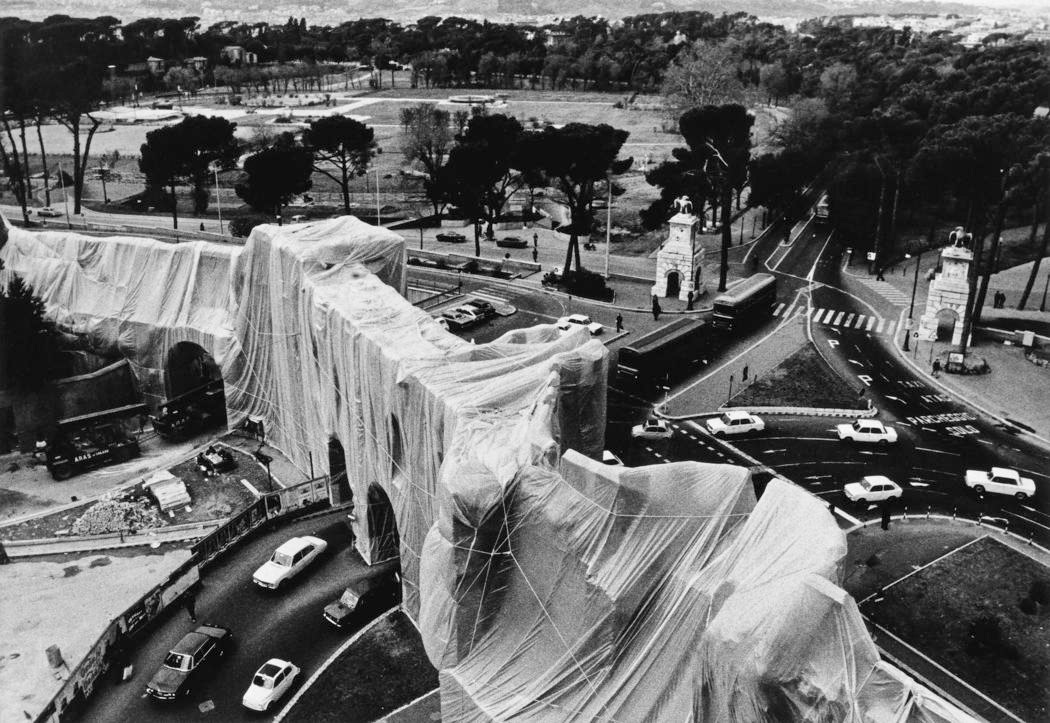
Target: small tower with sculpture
(679, 261)
(950, 289)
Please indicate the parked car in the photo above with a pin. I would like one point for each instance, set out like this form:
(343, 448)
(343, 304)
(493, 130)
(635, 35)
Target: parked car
(1000, 481)
(869, 431)
(48, 212)
(471, 313)
(484, 308)
(651, 428)
(611, 459)
(732, 423)
(512, 242)
(298, 218)
(290, 559)
(215, 460)
(451, 237)
(364, 599)
(187, 662)
(568, 322)
(873, 488)
(456, 319)
(269, 684)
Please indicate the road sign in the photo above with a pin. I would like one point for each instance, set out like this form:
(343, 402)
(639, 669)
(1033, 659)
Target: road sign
(870, 256)
(915, 335)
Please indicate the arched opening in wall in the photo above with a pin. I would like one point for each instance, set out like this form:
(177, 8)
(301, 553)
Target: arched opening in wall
(946, 321)
(341, 491)
(674, 284)
(382, 526)
(195, 399)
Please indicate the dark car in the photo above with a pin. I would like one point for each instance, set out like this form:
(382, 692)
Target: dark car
(483, 308)
(216, 460)
(451, 238)
(187, 661)
(364, 599)
(512, 242)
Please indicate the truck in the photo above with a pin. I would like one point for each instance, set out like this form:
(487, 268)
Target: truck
(1000, 481)
(93, 440)
(191, 412)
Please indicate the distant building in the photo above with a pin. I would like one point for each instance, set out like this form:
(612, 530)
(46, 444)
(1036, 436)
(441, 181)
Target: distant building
(155, 65)
(236, 55)
(198, 63)
(1041, 112)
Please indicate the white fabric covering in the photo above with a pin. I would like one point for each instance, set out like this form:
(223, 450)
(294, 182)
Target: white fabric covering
(547, 586)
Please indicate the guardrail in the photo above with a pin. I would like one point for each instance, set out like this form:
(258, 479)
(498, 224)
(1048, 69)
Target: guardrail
(71, 698)
(808, 411)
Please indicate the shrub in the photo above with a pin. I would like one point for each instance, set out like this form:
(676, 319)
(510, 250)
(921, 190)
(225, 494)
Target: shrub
(242, 226)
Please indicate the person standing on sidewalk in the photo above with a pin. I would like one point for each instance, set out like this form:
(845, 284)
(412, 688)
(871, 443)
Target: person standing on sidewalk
(656, 308)
(619, 323)
(535, 240)
(886, 515)
(535, 255)
(190, 602)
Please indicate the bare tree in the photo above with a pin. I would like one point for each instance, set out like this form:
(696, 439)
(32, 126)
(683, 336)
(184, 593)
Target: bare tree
(705, 74)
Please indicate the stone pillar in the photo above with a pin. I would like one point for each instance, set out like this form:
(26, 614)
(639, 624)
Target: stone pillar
(682, 252)
(950, 289)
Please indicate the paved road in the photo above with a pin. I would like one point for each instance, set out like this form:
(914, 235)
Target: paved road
(286, 625)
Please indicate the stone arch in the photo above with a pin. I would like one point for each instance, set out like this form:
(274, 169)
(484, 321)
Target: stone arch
(188, 367)
(674, 284)
(384, 539)
(340, 487)
(949, 322)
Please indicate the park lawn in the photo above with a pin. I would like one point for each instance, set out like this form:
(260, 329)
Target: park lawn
(384, 669)
(801, 380)
(933, 609)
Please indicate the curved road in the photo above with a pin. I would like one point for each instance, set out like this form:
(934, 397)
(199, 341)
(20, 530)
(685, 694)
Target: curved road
(286, 625)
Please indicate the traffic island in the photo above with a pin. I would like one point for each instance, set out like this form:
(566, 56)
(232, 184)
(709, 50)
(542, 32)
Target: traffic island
(384, 669)
(967, 610)
(801, 380)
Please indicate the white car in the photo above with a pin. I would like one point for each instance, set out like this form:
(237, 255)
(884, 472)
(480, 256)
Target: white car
(289, 560)
(270, 682)
(651, 428)
(611, 459)
(1000, 481)
(734, 423)
(873, 488)
(474, 315)
(870, 431)
(48, 212)
(567, 322)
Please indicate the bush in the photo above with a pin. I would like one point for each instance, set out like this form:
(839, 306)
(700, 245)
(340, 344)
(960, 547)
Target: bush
(242, 226)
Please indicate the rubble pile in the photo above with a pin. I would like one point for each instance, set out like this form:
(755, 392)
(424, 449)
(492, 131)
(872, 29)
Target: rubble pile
(116, 515)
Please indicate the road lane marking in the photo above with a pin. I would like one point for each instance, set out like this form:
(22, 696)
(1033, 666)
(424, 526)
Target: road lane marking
(938, 451)
(838, 318)
(820, 313)
(871, 323)
(780, 308)
(860, 321)
(848, 321)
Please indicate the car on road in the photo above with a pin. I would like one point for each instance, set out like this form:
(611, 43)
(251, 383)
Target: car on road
(873, 488)
(364, 599)
(651, 428)
(188, 660)
(611, 459)
(481, 307)
(288, 560)
(48, 212)
(269, 684)
(512, 242)
(451, 238)
(456, 319)
(868, 431)
(568, 322)
(470, 312)
(737, 422)
(1000, 481)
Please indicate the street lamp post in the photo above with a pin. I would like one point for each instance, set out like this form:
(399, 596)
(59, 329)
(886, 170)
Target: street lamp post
(379, 220)
(911, 304)
(1042, 304)
(608, 223)
(218, 198)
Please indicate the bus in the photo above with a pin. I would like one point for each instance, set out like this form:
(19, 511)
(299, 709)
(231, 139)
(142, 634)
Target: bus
(820, 215)
(748, 303)
(670, 351)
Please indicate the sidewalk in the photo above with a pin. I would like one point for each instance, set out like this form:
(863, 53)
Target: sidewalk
(1016, 391)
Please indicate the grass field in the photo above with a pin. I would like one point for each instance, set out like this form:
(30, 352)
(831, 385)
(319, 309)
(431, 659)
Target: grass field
(383, 670)
(934, 609)
(801, 380)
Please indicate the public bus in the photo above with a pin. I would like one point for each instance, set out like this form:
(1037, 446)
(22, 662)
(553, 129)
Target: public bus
(820, 215)
(670, 351)
(747, 304)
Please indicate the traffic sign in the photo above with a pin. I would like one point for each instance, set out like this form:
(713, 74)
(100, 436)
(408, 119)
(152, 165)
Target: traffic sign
(870, 256)
(915, 335)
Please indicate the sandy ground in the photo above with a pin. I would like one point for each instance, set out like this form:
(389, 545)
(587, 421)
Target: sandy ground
(67, 604)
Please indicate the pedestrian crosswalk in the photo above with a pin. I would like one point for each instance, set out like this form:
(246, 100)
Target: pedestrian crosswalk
(885, 289)
(837, 318)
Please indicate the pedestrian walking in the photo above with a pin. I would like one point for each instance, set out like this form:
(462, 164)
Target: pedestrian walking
(879, 276)
(689, 301)
(656, 308)
(535, 240)
(535, 255)
(936, 367)
(190, 601)
(202, 225)
(886, 515)
(619, 323)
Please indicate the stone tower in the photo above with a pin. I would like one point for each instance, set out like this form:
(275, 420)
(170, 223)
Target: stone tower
(950, 289)
(678, 262)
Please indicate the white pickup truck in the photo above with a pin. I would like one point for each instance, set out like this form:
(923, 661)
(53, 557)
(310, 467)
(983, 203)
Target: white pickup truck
(1000, 481)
